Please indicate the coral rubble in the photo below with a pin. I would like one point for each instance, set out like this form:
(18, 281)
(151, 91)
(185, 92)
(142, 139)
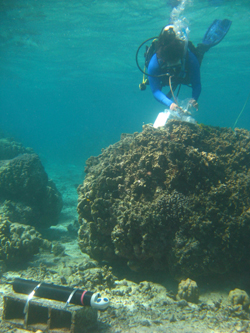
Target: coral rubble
(19, 242)
(175, 198)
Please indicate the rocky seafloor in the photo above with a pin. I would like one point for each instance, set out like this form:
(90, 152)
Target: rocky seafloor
(135, 307)
(140, 300)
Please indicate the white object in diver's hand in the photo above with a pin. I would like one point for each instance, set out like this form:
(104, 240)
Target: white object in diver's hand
(163, 117)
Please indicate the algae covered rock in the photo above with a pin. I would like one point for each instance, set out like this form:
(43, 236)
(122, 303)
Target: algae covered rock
(26, 193)
(175, 198)
(239, 297)
(188, 290)
(19, 242)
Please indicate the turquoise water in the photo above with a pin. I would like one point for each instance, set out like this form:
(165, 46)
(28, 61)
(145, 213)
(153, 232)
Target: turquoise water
(69, 82)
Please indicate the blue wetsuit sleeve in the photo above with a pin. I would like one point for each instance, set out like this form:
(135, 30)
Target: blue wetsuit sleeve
(194, 75)
(155, 83)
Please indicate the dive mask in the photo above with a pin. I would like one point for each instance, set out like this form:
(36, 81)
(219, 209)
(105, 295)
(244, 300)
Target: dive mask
(173, 69)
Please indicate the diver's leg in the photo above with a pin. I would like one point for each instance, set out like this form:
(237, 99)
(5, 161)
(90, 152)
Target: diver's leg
(200, 50)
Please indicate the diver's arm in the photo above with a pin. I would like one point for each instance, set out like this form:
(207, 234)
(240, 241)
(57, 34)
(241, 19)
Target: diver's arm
(194, 72)
(154, 82)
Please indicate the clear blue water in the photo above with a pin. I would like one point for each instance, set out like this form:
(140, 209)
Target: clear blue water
(69, 82)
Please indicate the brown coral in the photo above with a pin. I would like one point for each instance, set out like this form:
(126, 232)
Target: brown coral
(26, 193)
(174, 198)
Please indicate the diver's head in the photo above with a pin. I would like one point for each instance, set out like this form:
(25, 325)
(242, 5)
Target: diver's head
(171, 48)
(167, 33)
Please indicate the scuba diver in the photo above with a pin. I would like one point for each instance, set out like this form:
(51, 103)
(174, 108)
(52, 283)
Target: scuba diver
(172, 60)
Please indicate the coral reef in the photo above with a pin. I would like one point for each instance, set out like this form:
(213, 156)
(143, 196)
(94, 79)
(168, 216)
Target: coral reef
(188, 290)
(26, 194)
(175, 198)
(19, 242)
(10, 148)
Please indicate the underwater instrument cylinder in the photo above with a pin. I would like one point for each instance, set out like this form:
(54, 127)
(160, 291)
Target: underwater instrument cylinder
(60, 293)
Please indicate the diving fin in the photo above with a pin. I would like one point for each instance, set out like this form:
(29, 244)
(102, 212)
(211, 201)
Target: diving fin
(216, 32)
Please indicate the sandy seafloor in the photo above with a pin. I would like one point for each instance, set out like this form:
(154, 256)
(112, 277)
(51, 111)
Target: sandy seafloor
(134, 307)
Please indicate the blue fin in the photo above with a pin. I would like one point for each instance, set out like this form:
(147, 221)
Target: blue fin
(216, 32)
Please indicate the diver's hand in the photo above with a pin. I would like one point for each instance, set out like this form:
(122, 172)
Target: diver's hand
(174, 107)
(194, 104)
